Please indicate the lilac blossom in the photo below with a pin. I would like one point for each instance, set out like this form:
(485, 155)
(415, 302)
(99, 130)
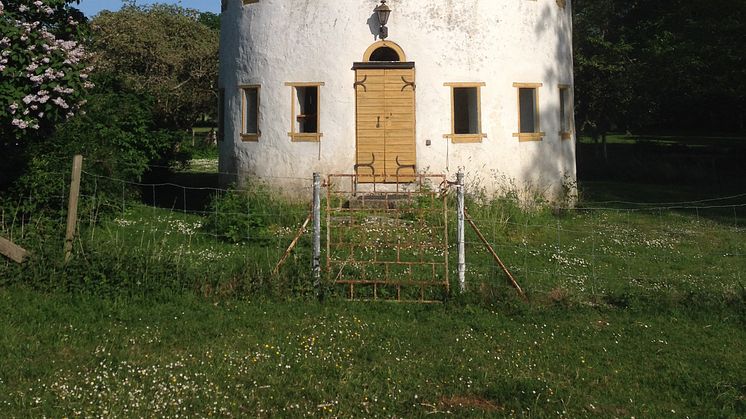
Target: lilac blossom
(39, 67)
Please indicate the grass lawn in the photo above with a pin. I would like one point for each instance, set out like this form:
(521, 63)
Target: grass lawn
(635, 310)
(67, 355)
(629, 316)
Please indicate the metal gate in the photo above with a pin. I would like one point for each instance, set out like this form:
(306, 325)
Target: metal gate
(388, 242)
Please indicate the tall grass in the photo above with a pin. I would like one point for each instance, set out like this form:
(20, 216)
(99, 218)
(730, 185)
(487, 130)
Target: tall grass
(612, 256)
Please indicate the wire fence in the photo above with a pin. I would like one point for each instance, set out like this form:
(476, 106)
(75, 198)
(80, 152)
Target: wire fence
(224, 235)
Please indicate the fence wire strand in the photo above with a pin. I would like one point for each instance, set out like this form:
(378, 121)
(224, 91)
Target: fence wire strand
(601, 245)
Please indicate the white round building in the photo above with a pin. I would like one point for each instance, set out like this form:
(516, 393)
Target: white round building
(321, 86)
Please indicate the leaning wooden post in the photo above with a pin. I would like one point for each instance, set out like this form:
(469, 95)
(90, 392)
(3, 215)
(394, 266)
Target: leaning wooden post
(317, 234)
(301, 230)
(460, 231)
(499, 261)
(12, 251)
(72, 206)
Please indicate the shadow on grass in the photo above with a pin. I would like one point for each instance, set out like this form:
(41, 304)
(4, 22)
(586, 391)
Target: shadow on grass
(703, 177)
(182, 191)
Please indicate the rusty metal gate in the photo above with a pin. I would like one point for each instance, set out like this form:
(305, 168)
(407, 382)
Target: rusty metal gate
(388, 241)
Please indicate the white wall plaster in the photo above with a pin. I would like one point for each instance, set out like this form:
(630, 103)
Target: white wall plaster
(497, 42)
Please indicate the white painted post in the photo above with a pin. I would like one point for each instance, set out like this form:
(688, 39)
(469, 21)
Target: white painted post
(460, 231)
(317, 233)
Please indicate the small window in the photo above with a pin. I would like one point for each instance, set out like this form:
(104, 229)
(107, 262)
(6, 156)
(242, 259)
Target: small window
(385, 54)
(466, 110)
(529, 128)
(250, 120)
(566, 112)
(305, 105)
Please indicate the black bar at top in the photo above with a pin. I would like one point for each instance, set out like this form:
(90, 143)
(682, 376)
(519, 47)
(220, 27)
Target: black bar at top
(377, 65)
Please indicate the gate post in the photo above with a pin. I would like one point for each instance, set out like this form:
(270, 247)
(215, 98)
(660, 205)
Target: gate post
(460, 231)
(317, 233)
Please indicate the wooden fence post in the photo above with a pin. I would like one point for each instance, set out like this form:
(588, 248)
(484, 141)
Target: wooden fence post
(12, 251)
(72, 206)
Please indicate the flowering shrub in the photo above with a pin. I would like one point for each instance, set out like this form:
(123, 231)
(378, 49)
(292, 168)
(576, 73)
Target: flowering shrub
(43, 67)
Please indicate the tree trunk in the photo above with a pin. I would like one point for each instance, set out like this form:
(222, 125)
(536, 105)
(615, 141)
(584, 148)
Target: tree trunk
(596, 148)
(606, 150)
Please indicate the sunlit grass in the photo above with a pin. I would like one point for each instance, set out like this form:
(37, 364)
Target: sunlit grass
(631, 313)
(82, 356)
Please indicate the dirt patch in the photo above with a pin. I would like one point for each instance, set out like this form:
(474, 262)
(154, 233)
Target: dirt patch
(470, 402)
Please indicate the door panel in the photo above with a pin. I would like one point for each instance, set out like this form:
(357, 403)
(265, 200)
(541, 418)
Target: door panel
(385, 123)
(369, 93)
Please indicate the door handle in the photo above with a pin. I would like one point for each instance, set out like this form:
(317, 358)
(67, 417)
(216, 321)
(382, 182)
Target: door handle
(361, 83)
(378, 121)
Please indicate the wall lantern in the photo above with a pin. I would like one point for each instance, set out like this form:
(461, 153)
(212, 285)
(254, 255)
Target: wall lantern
(383, 11)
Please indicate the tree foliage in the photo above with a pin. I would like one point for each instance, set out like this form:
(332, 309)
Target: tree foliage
(163, 51)
(43, 67)
(117, 137)
(604, 65)
(672, 65)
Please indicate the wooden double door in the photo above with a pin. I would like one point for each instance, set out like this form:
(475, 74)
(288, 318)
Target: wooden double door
(385, 102)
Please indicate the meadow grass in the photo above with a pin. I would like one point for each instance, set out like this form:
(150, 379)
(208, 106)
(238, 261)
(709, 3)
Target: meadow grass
(633, 311)
(77, 355)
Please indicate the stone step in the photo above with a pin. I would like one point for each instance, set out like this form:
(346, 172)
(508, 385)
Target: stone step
(378, 201)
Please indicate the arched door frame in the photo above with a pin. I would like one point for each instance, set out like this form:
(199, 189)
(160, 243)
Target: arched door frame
(384, 44)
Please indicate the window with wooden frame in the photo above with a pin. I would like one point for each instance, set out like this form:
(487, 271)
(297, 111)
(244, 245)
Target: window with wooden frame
(466, 112)
(305, 104)
(566, 112)
(529, 115)
(250, 113)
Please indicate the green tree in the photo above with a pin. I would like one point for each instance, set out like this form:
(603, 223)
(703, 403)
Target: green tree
(673, 65)
(693, 56)
(116, 144)
(163, 51)
(44, 75)
(605, 66)
(43, 67)
(211, 20)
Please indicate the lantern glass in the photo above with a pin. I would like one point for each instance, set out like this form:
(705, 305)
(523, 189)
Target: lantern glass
(383, 12)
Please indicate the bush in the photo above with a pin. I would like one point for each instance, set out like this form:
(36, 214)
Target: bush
(248, 215)
(118, 139)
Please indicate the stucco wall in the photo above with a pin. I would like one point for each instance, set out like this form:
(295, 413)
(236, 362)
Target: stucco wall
(497, 42)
